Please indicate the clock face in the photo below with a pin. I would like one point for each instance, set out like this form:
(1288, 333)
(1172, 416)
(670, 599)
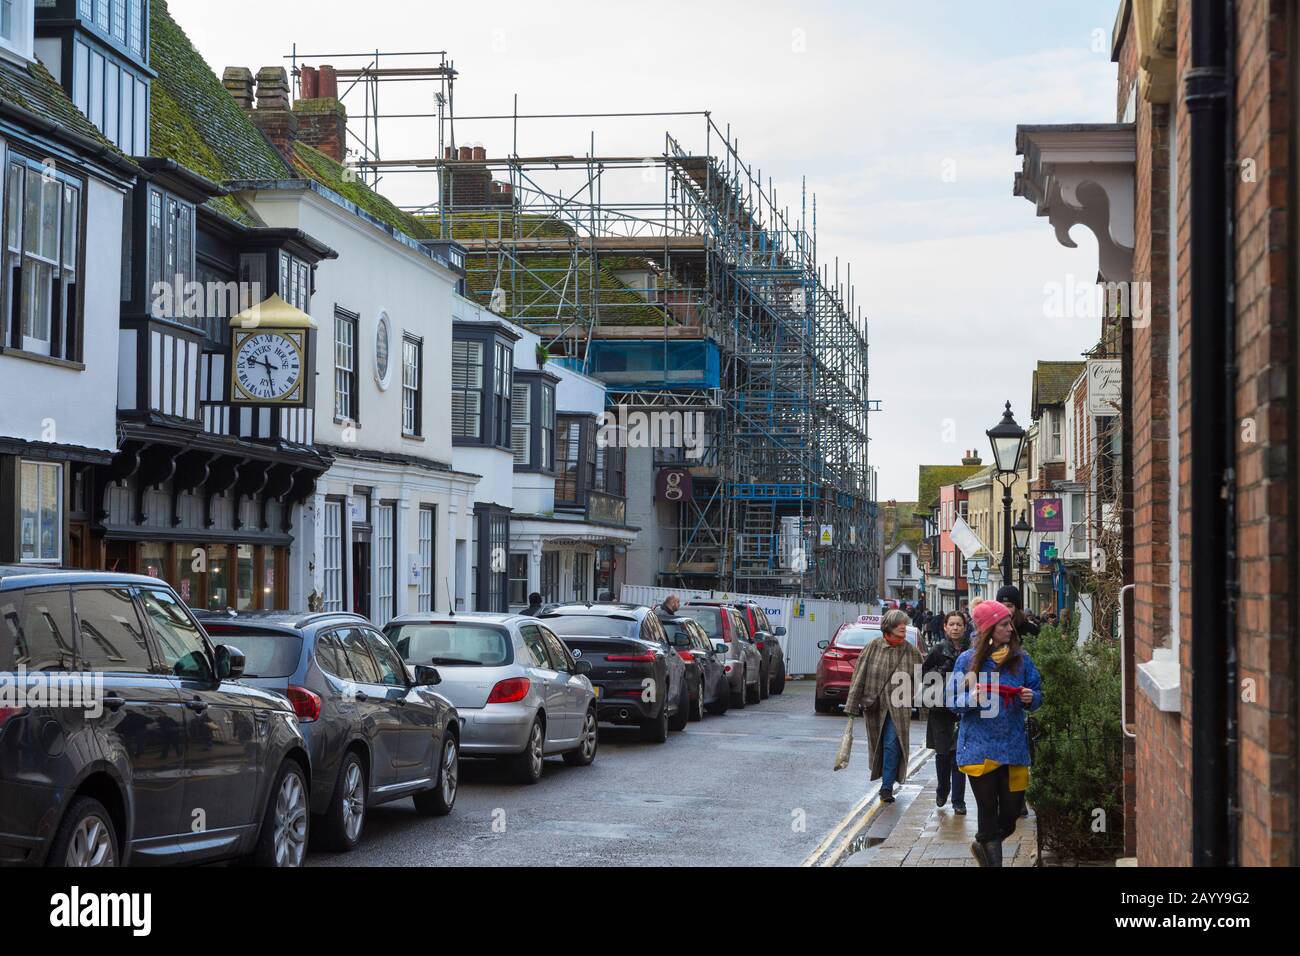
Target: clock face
(268, 366)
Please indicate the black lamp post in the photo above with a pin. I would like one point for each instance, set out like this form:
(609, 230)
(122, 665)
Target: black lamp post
(1022, 532)
(1008, 441)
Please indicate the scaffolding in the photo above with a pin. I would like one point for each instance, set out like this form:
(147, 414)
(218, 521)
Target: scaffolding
(678, 280)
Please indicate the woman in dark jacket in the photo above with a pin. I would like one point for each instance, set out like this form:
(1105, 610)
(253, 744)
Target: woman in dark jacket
(941, 723)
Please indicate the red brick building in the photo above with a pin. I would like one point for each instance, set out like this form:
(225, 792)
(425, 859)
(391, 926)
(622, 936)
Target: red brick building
(1191, 196)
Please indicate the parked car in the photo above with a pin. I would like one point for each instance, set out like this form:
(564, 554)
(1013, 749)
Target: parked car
(744, 661)
(840, 655)
(765, 637)
(520, 694)
(706, 674)
(639, 678)
(167, 757)
(374, 732)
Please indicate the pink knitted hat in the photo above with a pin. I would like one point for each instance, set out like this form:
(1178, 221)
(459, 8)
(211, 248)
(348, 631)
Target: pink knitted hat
(988, 613)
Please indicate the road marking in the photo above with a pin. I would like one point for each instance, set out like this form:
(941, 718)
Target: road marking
(863, 812)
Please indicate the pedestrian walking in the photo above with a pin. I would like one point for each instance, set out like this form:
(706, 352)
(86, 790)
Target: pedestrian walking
(992, 686)
(941, 723)
(534, 605)
(881, 690)
(1009, 596)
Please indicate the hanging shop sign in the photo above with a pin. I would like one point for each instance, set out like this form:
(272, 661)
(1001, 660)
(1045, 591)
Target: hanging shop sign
(1048, 515)
(673, 484)
(1105, 384)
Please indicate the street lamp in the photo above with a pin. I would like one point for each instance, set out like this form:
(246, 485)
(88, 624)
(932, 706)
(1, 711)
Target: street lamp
(1022, 532)
(1008, 441)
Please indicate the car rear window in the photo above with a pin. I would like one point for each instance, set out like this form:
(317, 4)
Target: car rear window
(478, 645)
(856, 636)
(593, 625)
(266, 653)
(709, 618)
(36, 630)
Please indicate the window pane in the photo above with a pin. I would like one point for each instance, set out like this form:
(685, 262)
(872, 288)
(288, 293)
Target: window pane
(183, 650)
(391, 669)
(520, 417)
(354, 646)
(244, 577)
(36, 631)
(112, 639)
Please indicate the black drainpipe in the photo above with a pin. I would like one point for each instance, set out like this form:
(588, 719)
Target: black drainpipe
(1206, 100)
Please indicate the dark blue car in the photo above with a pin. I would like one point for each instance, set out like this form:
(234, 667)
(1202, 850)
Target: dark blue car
(375, 731)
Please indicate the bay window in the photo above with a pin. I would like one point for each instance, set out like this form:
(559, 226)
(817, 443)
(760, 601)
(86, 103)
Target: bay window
(43, 226)
(532, 425)
(482, 386)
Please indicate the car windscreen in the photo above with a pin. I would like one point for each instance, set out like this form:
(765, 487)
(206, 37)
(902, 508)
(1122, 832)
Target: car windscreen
(592, 625)
(266, 654)
(471, 645)
(856, 636)
(709, 618)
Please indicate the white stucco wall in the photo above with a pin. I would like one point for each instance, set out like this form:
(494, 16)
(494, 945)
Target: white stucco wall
(43, 402)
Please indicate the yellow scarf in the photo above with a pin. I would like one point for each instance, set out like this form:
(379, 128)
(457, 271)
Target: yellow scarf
(1000, 654)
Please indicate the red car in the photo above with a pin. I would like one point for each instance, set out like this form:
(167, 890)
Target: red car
(840, 655)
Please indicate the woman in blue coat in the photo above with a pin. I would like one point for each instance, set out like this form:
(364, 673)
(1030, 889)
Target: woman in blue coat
(991, 687)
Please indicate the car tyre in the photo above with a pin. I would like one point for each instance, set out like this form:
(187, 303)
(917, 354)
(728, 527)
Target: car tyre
(527, 766)
(282, 841)
(656, 730)
(754, 695)
(763, 684)
(678, 721)
(778, 682)
(723, 700)
(439, 801)
(738, 701)
(86, 837)
(585, 752)
(697, 704)
(345, 819)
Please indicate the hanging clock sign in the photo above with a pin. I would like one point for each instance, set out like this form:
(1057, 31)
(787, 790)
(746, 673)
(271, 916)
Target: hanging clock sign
(270, 354)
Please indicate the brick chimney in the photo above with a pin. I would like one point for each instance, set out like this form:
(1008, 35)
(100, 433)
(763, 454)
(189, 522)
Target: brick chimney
(971, 459)
(471, 184)
(238, 81)
(272, 115)
(322, 118)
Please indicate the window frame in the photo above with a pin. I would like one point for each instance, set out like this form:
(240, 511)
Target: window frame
(61, 519)
(412, 393)
(344, 374)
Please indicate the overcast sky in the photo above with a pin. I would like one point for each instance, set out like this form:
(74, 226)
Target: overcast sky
(900, 115)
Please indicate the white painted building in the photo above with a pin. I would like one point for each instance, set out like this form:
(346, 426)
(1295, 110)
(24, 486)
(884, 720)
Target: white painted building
(902, 574)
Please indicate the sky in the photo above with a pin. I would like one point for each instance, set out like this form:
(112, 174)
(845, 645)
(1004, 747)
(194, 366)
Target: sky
(899, 116)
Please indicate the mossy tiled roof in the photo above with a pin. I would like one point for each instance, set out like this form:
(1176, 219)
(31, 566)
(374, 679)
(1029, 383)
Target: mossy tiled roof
(1052, 381)
(194, 121)
(33, 89)
(311, 163)
(931, 478)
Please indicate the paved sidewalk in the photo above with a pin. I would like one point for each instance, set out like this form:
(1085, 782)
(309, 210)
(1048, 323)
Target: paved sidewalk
(926, 835)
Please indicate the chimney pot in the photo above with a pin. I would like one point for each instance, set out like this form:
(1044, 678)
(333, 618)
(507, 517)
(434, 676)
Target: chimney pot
(329, 82)
(309, 81)
(466, 153)
(238, 81)
(480, 153)
(272, 88)
(448, 153)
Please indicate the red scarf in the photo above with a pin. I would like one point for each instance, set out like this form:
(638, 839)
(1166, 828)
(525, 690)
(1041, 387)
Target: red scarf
(893, 641)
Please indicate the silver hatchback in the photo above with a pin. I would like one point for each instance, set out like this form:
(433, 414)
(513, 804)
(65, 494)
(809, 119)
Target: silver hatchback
(520, 694)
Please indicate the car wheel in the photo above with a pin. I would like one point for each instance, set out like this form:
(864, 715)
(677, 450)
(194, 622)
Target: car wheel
(527, 766)
(724, 697)
(439, 801)
(86, 837)
(755, 694)
(778, 682)
(656, 730)
(586, 751)
(823, 706)
(763, 684)
(346, 815)
(738, 701)
(697, 705)
(283, 839)
(679, 719)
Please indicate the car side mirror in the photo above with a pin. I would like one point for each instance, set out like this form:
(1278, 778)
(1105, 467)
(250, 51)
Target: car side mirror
(230, 662)
(719, 647)
(779, 630)
(426, 676)
(822, 645)
(582, 667)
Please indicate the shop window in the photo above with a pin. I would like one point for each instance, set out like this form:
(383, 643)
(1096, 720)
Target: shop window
(40, 512)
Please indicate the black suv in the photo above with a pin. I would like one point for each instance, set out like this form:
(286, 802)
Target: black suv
(765, 637)
(145, 748)
(636, 673)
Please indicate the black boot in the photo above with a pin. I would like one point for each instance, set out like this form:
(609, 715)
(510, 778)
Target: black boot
(886, 795)
(941, 796)
(977, 851)
(993, 852)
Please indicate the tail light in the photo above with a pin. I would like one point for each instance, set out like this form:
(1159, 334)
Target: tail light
(305, 704)
(509, 691)
(645, 658)
(7, 712)
(759, 645)
(687, 656)
(726, 626)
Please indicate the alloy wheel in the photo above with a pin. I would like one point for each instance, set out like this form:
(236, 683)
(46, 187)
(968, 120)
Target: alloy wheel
(290, 822)
(588, 736)
(450, 772)
(535, 750)
(354, 802)
(91, 845)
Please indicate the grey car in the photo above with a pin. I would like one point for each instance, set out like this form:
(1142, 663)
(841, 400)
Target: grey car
(744, 661)
(520, 694)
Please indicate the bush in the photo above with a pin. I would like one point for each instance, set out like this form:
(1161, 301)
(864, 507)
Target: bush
(1079, 747)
